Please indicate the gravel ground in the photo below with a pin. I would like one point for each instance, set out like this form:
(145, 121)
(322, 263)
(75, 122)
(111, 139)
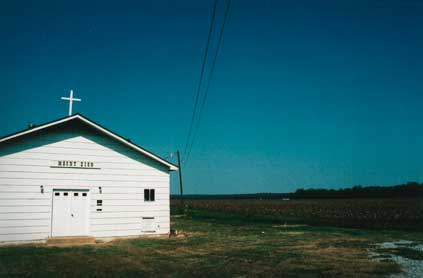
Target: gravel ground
(412, 268)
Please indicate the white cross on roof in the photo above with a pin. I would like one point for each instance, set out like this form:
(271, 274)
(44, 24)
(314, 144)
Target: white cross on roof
(71, 99)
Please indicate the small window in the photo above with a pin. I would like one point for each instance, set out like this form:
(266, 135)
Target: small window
(57, 194)
(149, 195)
(84, 194)
(65, 194)
(99, 210)
(99, 202)
(75, 194)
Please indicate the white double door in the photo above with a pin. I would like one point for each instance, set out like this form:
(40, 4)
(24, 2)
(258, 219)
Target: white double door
(70, 213)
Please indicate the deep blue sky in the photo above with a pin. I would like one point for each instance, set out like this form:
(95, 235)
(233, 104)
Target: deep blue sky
(305, 94)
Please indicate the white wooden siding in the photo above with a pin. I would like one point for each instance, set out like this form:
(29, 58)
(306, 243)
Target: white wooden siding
(25, 212)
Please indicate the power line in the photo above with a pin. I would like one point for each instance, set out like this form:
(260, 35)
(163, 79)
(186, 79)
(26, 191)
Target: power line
(228, 4)
(203, 66)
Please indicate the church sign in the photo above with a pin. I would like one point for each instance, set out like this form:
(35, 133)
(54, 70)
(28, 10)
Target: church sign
(73, 164)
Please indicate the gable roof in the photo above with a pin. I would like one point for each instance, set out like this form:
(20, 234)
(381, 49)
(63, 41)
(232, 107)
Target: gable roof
(98, 127)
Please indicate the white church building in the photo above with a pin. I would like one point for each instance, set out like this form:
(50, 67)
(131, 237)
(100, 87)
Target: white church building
(74, 177)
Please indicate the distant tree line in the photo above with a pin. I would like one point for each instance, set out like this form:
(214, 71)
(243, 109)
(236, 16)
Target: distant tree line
(408, 190)
(234, 196)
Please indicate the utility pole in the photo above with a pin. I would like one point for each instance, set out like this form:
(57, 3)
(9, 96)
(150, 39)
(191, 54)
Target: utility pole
(181, 190)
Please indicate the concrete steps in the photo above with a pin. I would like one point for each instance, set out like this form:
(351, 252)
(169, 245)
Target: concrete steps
(70, 241)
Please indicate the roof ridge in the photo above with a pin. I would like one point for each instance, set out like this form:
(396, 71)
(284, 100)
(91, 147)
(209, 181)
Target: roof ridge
(98, 127)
